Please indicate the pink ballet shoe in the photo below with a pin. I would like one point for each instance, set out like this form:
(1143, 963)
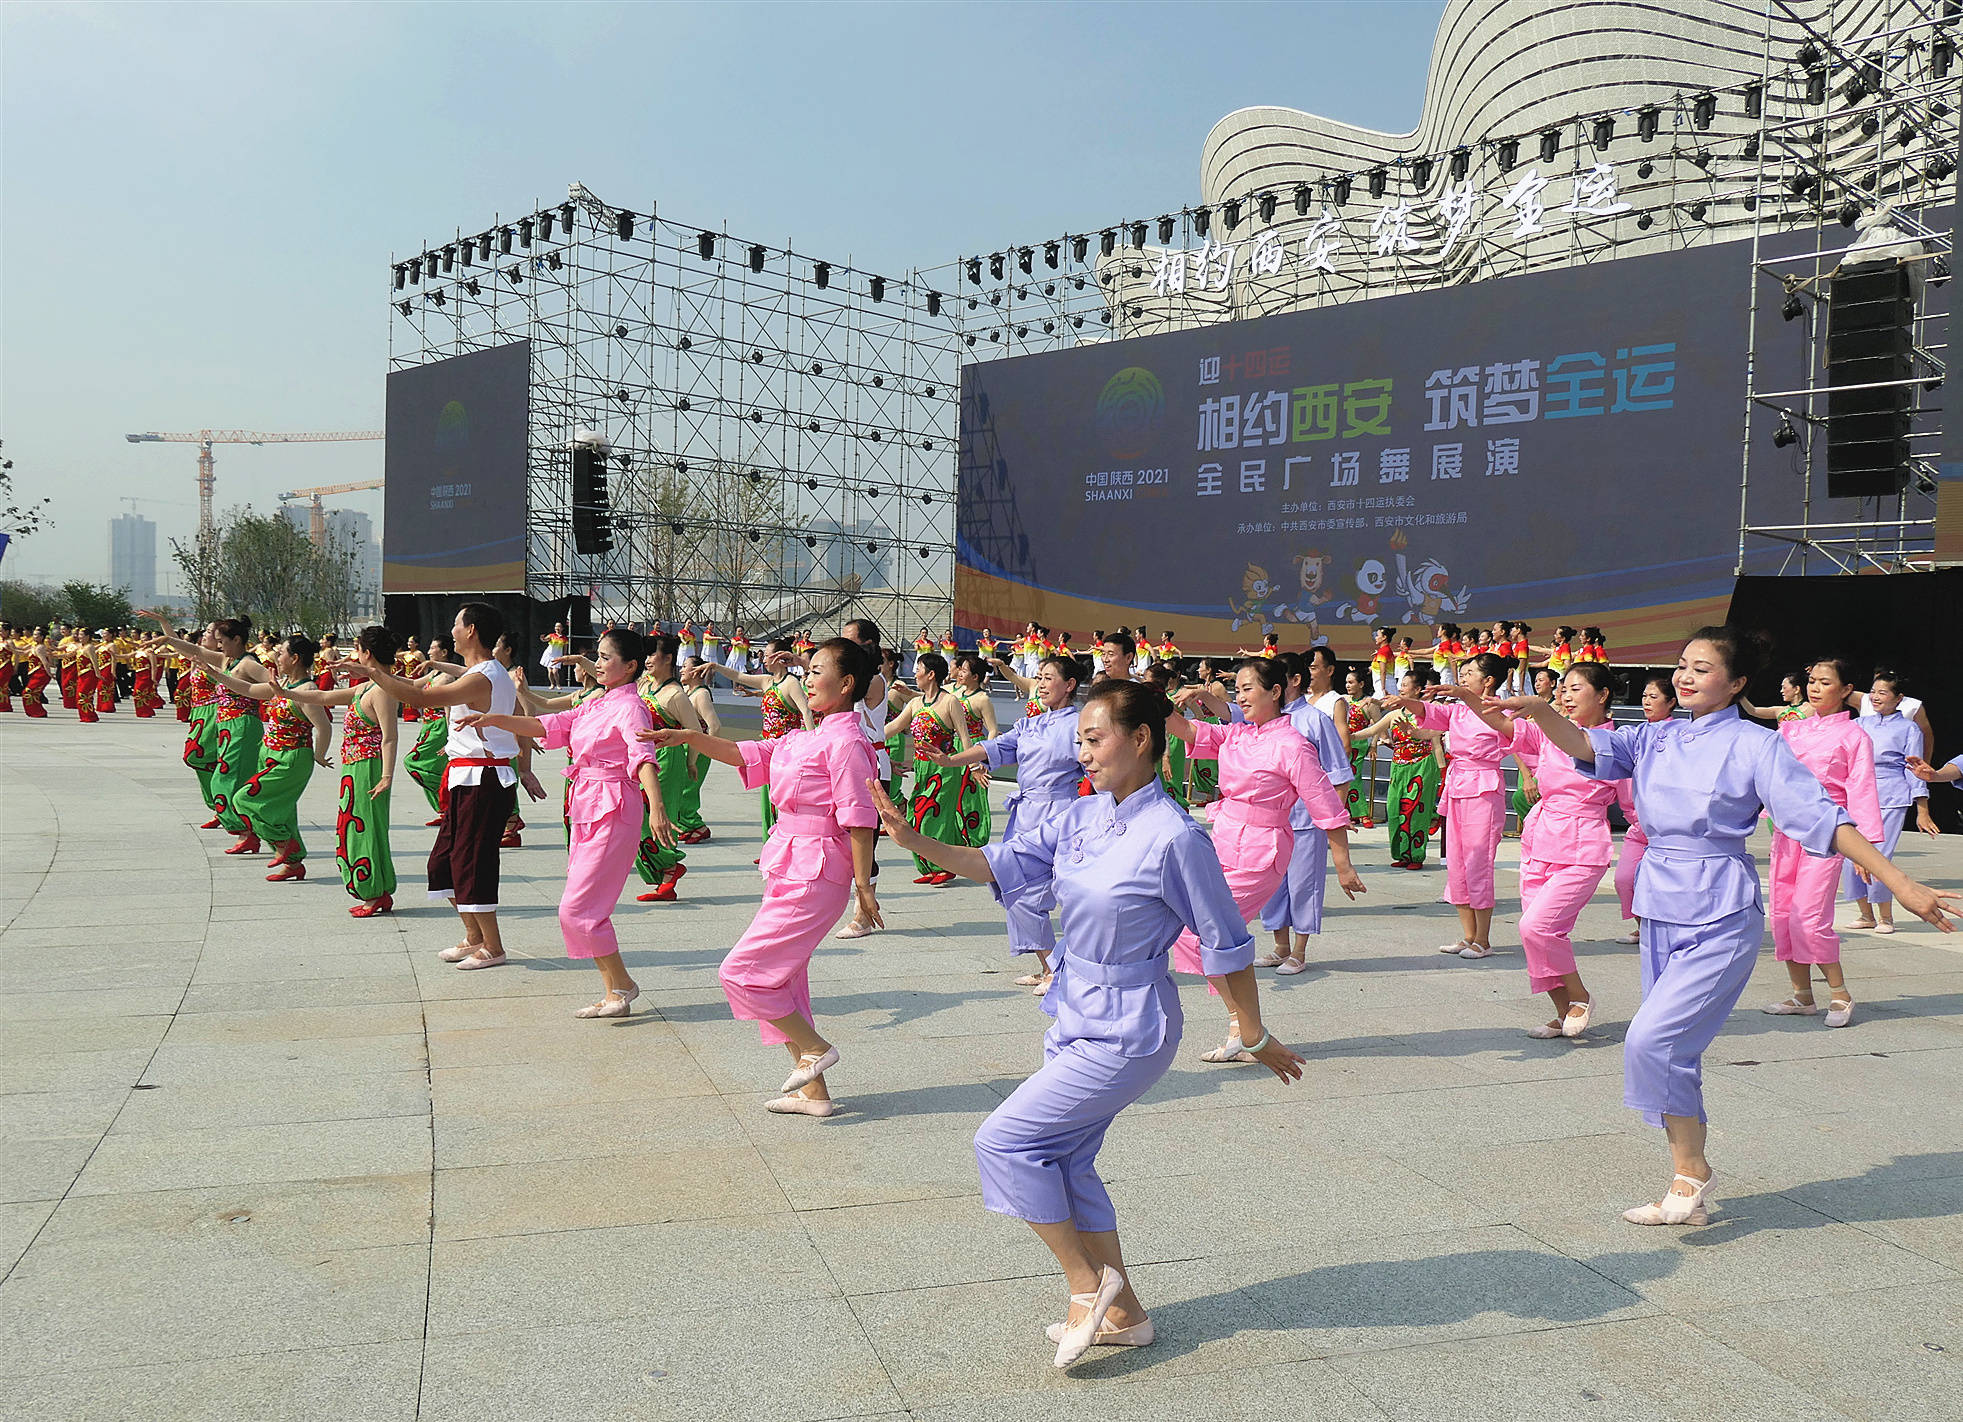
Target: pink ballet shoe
(1139, 1335)
(481, 959)
(1791, 1007)
(1546, 1032)
(1629, 939)
(1078, 1337)
(1575, 1021)
(617, 1003)
(1840, 1011)
(1271, 960)
(1231, 1050)
(855, 930)
(1291, 966)
(457, 952)
(1029, 980)
(800, 1106)
(1475, 950)
(810, 1066)
(1453, 950)
(1675, 1209)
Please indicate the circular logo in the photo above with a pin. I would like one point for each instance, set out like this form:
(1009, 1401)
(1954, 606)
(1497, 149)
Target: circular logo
(452, 428)
(1129, 411)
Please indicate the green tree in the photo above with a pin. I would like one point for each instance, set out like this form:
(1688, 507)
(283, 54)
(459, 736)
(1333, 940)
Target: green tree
(26, 605)
(96, 605)
(263, 567)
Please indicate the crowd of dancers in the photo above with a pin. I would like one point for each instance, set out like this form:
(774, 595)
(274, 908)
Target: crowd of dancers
(1277, 749)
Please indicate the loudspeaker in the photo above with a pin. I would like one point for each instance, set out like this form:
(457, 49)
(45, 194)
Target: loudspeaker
(592, 513)
(1870, 315)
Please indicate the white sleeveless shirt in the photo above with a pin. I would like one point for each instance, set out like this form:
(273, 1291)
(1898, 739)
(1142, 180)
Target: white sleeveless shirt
(482, 742)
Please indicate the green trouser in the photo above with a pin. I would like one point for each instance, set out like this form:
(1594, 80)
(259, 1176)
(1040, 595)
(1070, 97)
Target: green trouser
(1357, 797)
(672, 773)
(936, 809)
(236, 739)
(1173, 773)
(686, 808)
(1206, 778)
(1412, 808)
(200, 751)
(270, 801)
(896, 752)
(1518, 803)
(427, 763)
(769, 812)
(976, 815)
(361, 832)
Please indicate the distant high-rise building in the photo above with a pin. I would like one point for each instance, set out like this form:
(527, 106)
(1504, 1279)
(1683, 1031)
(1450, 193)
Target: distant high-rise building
(354, 530)
(133, 557)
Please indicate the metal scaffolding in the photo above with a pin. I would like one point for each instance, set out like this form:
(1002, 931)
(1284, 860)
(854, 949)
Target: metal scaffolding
(781, 428)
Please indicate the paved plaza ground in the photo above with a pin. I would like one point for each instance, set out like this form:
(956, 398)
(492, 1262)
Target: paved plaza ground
(260, 1160)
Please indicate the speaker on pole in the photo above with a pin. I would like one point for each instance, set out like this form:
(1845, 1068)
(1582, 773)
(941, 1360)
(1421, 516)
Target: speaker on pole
(592, 512)
(1870, 348)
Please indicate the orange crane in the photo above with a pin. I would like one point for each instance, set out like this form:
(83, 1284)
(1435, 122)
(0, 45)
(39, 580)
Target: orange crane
(317, 522)
(205, 439)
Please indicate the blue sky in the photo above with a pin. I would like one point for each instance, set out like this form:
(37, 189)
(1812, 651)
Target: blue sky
(198, 203)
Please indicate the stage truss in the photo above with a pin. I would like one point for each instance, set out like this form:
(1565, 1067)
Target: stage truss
(1886, 133)
(782, 428)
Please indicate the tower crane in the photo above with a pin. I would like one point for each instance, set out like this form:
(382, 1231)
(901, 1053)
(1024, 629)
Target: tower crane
(205, 439)
(317, 521)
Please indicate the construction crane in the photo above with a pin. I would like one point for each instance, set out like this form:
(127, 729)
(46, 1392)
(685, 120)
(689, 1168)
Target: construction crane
(317, 522)
(205, 439)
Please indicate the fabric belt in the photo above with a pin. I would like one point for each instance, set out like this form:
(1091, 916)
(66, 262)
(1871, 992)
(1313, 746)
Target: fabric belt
(1684, 847)
(814, 826)
(1141, 972)
(480, 760)
(1047, 797)
(1244, 812)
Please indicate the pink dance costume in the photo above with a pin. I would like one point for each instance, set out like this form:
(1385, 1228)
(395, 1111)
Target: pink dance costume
(1634, 842)
(1475, 801)
(603, 811)
(1265, 771)
(1565, 849)
(1841, 756)
(817, 783)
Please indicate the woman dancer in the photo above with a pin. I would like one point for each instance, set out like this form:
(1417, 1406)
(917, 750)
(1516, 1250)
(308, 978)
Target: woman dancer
(1411, 801)
(1266, 767)
(938, 726)
(556, 647)
(1841, 757)
(1044, 751)
(105, 672)
(42, 668)
(368, 744)
(84, 658)
(970, 675)
(1475, 799)
(669, 708)
(1360, 708)
(1659, 704)
(610, 760)
(1793, 698)
(1130, 872)
(143, 690)
(1895, 739)
(1565, 849)
(296, 738)
(1701, 785)
(818, 859)
(428, 761)
(780, 703)
(234, 725)
(1173, 771)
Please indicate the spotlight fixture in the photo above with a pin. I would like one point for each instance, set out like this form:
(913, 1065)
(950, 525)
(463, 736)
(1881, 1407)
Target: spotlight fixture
(926, 498)
(1800, 184)
(566, 217)
(810, 541)
(1107, 241)
(416, 272)
(1697, 210)
(684, 344)
(1379, 180)
(1421, 173)
(1165, 230)
(403, 307)
(1049, 288)
(1816, 86)
(1508, 153)
(1792, 308)
(1201, 218)
(705, 245)
(1603, 132)
(1785, 435)
(969, 338)
(1809, 55)
(926, 444)
(995, 265)
(1938, 270)
(817, 367)
(1752, 146)
(1647, 119)
(1904, 136)
(1754, 100)
(1138, 233)
(1021, 331)
(1461, 164)
(1023, 258)
(1049, 328)
(473, 288)
(756, 258)
(1942, 51)
(753, 535)
(922, 552)
(437, 297)
(1940, 167)
(933, 303)
(514, 275)
(484, 248)
(1076, 323)
(1855, 89)
(1645, 168)
(1750, 202)
(1340, 189)
(812, 485)
(504, 241)
(524, 232)
(1051, 254)
(1550, 144)
(1870, 124)
(1701, 159)
(430, 261)
(1301, 199)
(1231, 214)
(1079, 248)
(622, 396)
(1704, 110)
(821, 273)
(756, 357)
(682, 404)
(1849, 211)
(1644, 222)
(974, 270)
(872, 548)
(545, 225)
(675, 528)
(1267, 207)
(449, 258)
(401, 276)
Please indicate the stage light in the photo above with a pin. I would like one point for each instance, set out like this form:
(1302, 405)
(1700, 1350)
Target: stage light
(1809, 55)
(1077, 283)
(429, 261)
(545, 225)
(1855, 90)
(1870, 124)
(1049, 288)
(756, 417)
(524, 232)
(933, 303)
(1645, 168)
(513, 275)
(995, 298)
(812, 485)
(401, 276)
(1076, 323)
(1231, 214)
(1697, 210)
(1340, 189)
(1800, 184)
(1750, 202)
(416, 272)
(1644, 222)
(705, 245)
(974, 271)
(1942, 50)
(467, 249)
(928, 392)
(1301, 199)
(1051, 254)
(1508, 153)
(1942, 166)
(1704, 110)
(753, 535)
(926, 444)
(622, 396)
(1379, 180)
(1603, 132)
(473, 288)
(1049, 328)
(1792, 308)
(1021, 331)
(1550, 144)
(1904, 136)
(1938, 270)
(1752, 146)
(995, 337)
(812, 426)
(1461, 164)
(926, 498)
(1267, 206)
(623, 225)
(1165, 230)
(1421, 173)
(817, 367)
(872, 548)
(995, 265)
(969, 339)
(1023, 257)
(684, 344)
(810, 541)
(1138, 235)
(1849, 211)
(1107, 241)
(879, 382)
(675, 528)
(922, 552)
(437, 297)
(756, 258)
(566, 218)
(1867, 180)
(1816, 86)
(1079, 248)
(821, 273)
(682, 404)
(1754, 100)
(484, 248)
(449, 258)
(1701, 159)
(1785, 435)
(756, 357)
(504, 241)
(403, 307)
(1647, 119)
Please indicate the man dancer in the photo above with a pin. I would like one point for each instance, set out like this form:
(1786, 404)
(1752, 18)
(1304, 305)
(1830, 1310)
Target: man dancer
(482, 781)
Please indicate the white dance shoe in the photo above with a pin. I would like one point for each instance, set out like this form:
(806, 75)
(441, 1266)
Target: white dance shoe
(1791, 1007)
(1077, 1338)
(1577, 1018)
(1139, 1335)
(1675, 1209)
(617, 1003)
(810, 1066)
(795, 1105)
(1840, 1011)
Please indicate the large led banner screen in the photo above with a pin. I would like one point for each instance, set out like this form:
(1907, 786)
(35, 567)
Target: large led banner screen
(1557, 448)
(455, 463)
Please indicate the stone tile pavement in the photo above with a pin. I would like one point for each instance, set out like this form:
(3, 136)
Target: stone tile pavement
(259, 1160)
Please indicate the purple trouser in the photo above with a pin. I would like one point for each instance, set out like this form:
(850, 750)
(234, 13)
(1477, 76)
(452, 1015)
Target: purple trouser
(1693, 974)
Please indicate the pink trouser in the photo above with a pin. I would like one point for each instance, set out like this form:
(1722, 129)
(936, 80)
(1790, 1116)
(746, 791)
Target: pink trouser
(1552, 897)
(1473, 823)
(1254, 859)
(597, 862)
(767, 975)
(1803, 892)
(1634, 843)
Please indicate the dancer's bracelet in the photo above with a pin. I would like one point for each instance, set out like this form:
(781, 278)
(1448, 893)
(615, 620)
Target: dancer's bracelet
(1256, 1048)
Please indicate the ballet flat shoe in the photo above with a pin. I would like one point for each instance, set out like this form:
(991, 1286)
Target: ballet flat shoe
(1884, 928)
(800, 1106)
(809, 1068)
(1840, 1012)
(1546, 1032)
(481, 959)
(1675, 1209)
(1270, 960)
(855, 930)
(1292, 966)
(1473, 950)
(1029, 980)
(614, 1004)
(1627, 940)
(1077, 1339)
(1790, 1007)
(1231, 1050)
(457, 952)
(1573, 1026)
(1139, 1335)
(1454, 949)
